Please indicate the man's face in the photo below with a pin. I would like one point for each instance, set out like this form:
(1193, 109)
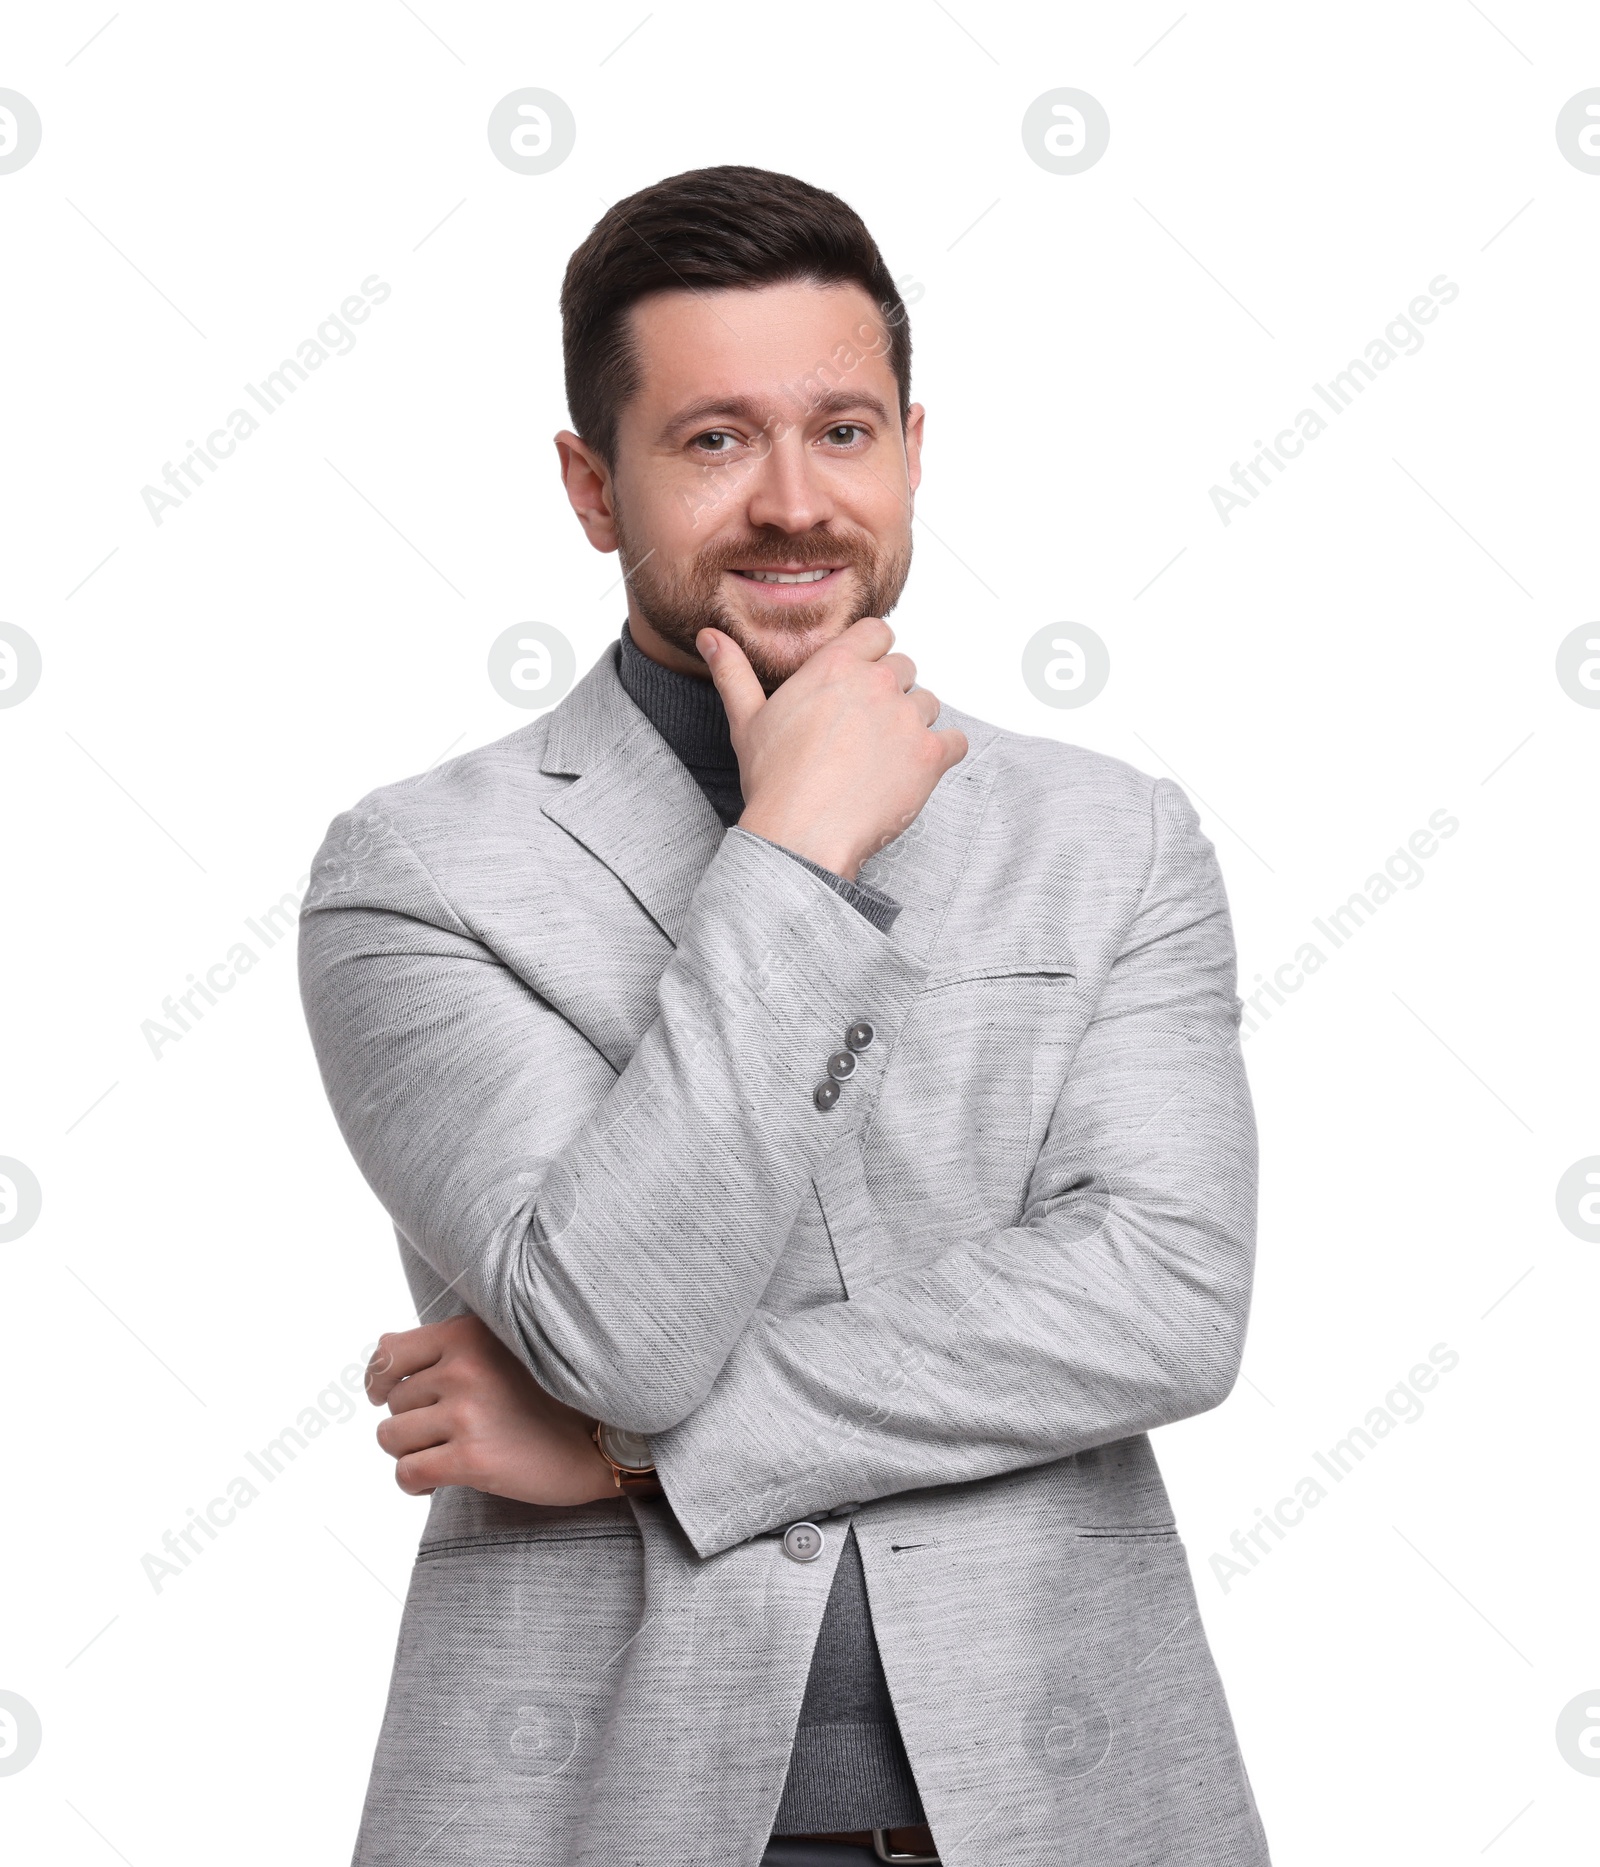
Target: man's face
(764, 443)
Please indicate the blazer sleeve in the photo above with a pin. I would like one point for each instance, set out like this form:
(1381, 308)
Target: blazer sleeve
(615, 1230)
(1118, 1303)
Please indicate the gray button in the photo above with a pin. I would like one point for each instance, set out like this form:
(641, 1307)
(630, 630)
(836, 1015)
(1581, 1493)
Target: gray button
(802, 1542)
(825, 1094)
(859, 1035)
(841, 1064)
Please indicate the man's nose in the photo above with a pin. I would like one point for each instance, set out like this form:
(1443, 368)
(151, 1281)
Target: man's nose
(787, 488)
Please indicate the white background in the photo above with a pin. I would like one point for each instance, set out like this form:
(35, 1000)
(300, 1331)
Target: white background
(1371, 641)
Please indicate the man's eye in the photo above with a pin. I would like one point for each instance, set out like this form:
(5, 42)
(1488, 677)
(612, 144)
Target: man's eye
(845, 433)
(715, 441)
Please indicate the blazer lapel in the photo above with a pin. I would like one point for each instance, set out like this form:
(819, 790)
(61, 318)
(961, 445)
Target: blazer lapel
(632, 803)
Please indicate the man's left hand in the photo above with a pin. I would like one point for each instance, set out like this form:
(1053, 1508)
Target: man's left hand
(466, 1412)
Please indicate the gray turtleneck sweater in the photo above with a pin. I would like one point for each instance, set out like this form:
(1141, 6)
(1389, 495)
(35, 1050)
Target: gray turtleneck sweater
(849, 1768)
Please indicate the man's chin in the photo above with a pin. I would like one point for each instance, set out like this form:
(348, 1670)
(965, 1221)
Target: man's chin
(775, 646)
(778, 635)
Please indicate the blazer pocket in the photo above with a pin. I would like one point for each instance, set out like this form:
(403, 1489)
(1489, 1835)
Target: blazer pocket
(440, 1548)
(1127, 1531)
(498, 1699)
(1024, 957)
(950, 1140)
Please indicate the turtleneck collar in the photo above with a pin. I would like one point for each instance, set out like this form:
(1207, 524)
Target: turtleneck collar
(688, 713)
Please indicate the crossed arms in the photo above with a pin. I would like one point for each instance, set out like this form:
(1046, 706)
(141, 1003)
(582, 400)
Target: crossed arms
(615, 1229)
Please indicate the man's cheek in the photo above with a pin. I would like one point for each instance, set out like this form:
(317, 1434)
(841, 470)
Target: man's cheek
(703, 506)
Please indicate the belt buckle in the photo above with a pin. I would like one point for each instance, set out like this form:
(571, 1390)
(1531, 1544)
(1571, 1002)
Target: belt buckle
(881, 1848)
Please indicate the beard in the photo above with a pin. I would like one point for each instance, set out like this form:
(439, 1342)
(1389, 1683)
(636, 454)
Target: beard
(679, 600)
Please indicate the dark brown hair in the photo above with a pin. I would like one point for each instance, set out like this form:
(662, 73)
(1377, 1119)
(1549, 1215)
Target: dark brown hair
(707, 230)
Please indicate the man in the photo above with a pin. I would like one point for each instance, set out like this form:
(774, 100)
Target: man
(822, 1112)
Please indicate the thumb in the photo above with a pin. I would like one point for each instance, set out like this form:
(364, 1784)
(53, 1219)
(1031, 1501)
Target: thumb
(734, 678)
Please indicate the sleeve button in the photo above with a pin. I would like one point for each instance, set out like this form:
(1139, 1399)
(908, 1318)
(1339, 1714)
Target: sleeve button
(825, 1094)
(859, 1035)
(841, 1064)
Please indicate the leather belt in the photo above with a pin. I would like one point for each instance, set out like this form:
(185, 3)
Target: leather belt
(888, 1844)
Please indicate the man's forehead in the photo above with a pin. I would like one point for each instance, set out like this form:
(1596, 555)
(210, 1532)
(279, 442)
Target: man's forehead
(753, 343)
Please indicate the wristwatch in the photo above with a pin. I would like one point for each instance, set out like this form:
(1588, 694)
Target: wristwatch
(628, 1455)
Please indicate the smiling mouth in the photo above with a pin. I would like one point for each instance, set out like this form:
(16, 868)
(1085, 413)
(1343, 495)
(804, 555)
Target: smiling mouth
(814, 575)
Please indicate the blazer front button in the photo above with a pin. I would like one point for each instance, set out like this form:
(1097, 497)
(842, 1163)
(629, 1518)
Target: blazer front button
(802, 1542)
(841, 1064)
(859, 1035)
(825, 1094)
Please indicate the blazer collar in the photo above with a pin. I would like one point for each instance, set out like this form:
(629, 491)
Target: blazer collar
(634, 806)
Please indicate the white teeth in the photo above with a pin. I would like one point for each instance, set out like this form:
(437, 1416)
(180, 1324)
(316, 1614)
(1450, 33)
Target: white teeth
(778, 576)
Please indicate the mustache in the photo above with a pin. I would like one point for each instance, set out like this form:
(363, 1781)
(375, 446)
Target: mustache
(778, 550)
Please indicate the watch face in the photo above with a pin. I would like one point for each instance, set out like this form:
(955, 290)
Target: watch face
(629, 1450)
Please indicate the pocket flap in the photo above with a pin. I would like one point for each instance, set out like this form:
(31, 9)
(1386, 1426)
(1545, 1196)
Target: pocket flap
(1022, 957)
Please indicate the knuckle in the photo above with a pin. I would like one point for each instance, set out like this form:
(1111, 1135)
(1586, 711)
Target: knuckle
(469, 1467)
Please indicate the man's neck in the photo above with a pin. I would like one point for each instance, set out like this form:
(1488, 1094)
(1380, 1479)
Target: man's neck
(656, 646)
(688, 713)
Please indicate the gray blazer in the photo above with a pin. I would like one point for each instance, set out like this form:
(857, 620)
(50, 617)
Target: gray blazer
(571, 1028)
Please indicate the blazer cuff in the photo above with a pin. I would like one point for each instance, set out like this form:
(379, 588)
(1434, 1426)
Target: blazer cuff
(878, 907)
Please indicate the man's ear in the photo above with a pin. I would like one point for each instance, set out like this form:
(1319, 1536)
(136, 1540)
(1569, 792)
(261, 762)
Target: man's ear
(588, 482)
(914, 416)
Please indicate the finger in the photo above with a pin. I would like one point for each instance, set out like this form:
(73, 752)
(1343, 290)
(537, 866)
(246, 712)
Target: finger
(413, 1432)
(401, 1353)
(870, 638)
(927, 704)
(954, 744)
(905, 669)
(732, 675)
(417, 1390)
(419, 1474)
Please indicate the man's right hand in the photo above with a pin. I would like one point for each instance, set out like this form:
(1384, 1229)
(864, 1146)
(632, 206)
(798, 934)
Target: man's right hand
(841, 758)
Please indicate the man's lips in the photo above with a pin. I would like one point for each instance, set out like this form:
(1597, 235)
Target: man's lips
(786, 575)
(784, 586)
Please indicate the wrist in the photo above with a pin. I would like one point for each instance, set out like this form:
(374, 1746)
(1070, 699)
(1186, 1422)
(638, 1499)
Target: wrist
(828, 852)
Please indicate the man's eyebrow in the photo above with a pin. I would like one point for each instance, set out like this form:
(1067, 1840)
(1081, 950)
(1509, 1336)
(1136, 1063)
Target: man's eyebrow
(743, 408)
(843, 401)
